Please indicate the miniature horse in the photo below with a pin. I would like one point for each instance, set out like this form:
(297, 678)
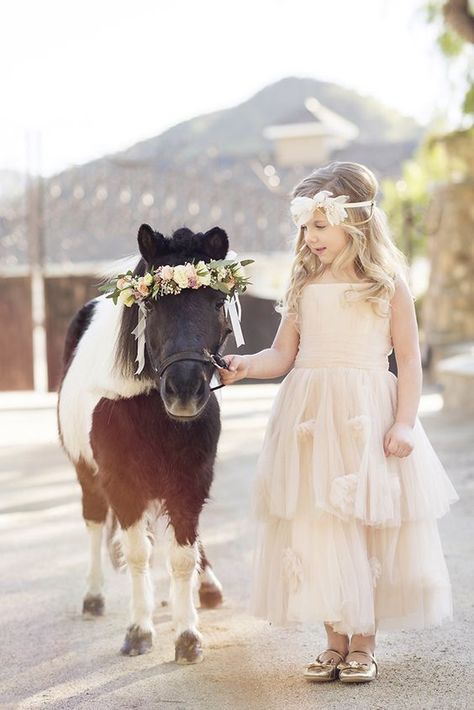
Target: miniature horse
(144, 445)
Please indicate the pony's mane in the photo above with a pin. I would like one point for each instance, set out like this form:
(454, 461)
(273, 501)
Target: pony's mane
(182, 246)
(119, 266)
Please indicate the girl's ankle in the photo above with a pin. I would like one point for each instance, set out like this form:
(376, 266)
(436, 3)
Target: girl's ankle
(362, 642)
(340, 648)
(364, 648)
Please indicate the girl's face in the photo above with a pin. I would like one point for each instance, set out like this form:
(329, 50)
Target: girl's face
(322, 239)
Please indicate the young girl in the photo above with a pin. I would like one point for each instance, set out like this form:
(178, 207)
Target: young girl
(348, 487)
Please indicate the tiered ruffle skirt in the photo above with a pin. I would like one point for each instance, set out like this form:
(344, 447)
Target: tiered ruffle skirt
(346, 534)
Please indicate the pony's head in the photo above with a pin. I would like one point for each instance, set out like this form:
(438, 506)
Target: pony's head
(192, 321)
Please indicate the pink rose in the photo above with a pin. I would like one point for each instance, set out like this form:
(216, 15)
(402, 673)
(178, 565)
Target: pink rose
(142, 288)
(166, 272)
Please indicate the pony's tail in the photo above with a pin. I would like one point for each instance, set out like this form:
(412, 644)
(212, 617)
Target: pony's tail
(114, 542)
(113, 536)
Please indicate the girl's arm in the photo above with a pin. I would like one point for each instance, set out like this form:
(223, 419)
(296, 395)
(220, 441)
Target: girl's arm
(266, 364)
(399, 439)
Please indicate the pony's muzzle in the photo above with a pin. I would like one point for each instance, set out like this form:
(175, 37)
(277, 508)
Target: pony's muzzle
(184, 390)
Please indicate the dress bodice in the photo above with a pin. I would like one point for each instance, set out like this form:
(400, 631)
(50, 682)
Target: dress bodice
(336, 331)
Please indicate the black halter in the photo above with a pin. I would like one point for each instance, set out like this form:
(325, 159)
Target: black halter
(215, 359)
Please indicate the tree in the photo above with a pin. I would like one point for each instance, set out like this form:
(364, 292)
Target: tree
(455, 19)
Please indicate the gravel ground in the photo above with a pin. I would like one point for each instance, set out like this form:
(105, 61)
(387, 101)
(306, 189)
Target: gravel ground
(51, 658)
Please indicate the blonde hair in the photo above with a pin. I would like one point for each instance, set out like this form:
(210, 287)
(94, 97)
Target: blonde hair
(370, 248)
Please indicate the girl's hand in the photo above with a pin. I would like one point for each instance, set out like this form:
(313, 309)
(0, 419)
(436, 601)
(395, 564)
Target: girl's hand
(399, 440)
(238, 369)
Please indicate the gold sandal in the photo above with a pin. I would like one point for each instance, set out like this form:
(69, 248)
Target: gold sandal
(323, 670)
(357, 672)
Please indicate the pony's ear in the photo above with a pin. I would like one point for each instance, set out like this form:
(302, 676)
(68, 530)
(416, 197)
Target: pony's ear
(151, 244)
(215, 243)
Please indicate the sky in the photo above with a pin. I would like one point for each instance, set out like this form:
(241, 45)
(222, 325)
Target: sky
(82, 79)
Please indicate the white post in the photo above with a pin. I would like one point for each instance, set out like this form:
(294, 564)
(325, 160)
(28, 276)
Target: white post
(36, 249)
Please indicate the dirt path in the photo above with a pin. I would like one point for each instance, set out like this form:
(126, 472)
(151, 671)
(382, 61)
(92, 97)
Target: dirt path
(51, 658)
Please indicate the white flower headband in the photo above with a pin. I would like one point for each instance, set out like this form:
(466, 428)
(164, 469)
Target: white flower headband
(302, 208)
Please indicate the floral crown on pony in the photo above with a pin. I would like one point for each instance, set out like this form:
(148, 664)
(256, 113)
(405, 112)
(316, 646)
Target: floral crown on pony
(302, 208)
(225, 275)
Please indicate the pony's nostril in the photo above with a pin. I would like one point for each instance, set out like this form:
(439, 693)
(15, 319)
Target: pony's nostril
(169, 387)
(201, 388)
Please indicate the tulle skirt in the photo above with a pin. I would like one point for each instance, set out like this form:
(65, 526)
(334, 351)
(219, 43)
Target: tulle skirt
(346, 534)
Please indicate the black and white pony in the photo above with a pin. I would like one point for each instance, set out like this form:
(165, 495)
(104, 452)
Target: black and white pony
(144, 446)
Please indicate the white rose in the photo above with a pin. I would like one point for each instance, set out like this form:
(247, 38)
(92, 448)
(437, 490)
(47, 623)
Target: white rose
(148, 279)
(126, 297)
(180, 276)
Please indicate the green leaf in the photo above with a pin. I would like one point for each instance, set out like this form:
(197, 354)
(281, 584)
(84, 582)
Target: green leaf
(450, 44)
(468, 105)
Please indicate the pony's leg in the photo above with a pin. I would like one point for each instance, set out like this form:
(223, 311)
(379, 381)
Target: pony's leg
(94, 512)
(210, 589)
(137, 549)
(183, 564)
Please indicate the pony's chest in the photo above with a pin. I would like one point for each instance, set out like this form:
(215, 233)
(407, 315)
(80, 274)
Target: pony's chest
(136, 434)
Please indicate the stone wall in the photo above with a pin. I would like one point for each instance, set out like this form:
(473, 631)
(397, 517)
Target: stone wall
(448, 314)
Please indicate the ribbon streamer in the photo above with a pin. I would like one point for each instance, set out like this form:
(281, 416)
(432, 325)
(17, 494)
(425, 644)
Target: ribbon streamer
(233, 308)
(139, 333)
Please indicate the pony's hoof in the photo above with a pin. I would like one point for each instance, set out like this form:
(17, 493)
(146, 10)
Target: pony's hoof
(136, 642)
(210, 596)
(188, 649)
(93, 605)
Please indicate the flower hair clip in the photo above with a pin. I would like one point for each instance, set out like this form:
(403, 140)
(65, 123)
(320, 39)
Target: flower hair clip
(335, 208)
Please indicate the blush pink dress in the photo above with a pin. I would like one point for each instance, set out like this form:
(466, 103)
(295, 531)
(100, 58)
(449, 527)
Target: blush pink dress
(346, 534)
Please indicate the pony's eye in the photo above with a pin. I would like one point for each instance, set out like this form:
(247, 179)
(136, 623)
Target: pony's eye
(219, 305)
